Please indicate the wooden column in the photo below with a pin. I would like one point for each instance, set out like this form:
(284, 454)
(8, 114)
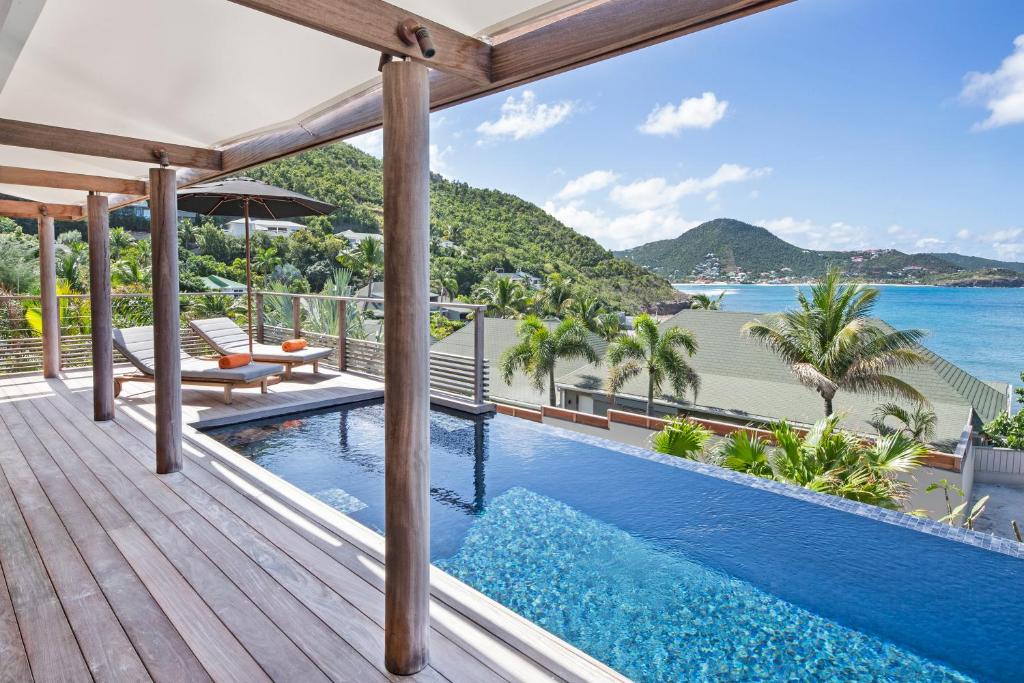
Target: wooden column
(296, 317)
(260, 323)
(478, 356)
(342, 335)
(48, 298)
(99, 306)
(163, 208)
(406, 366)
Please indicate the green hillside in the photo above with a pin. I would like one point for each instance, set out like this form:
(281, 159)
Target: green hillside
(980, 263)
(724, 248)
(491, 229)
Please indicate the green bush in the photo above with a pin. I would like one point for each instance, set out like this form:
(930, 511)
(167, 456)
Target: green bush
(1006, 430)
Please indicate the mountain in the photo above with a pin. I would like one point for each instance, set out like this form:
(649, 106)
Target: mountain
(980, 263)
(726, 248)
(490, 230)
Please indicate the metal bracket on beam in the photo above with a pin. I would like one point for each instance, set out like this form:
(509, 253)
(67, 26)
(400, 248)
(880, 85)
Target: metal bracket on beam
(411, 32)
(161, 156)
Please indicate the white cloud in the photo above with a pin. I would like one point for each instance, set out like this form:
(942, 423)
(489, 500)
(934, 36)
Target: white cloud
(524, 117)
(964, 234)
(371, 143)
(657, 192)
(837, 235)
(1001, 91)
(693, 112)
(438, 159)
(587, 183)
(930, 243)
(626, 230)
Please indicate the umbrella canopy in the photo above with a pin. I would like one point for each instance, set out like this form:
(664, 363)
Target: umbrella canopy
(251, 199)
(228, 197)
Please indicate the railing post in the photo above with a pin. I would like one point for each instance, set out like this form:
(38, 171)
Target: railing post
(406, 116)
(260, 329)
(478, 355)
(48, 298)
(99, 306)
(296, 316)
(342, 335)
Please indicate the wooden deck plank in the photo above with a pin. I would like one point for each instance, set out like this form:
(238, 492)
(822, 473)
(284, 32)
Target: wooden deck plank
(349, 571)
(109, 653)
(161, 648)
(14, 664)
(331, 605)
(200, 626)
(50, 644)
(278, 656)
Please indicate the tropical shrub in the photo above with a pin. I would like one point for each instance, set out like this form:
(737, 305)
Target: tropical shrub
(681, 438)
(1006, 431)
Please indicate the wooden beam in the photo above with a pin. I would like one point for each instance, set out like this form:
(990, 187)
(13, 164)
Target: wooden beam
(55, 138)
(99, 307)
(375, 24)
(14, 208)
(406, 367)
(13, 175)
(576, 37)
(48, 297)
(166, 314)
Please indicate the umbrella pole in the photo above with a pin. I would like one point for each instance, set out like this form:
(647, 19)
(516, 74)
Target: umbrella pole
(248, 276)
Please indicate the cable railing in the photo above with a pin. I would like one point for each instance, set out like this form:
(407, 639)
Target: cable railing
(277, 316)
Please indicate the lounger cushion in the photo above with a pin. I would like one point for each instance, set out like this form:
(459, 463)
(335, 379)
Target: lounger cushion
(136, 344)
(227, 337)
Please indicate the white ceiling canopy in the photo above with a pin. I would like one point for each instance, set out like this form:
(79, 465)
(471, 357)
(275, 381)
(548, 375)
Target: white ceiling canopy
(191, 72)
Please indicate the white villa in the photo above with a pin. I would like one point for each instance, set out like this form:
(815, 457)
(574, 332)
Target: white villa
(236, 228)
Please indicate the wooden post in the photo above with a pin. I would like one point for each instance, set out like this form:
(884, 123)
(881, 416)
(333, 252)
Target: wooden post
(296, 316)
(406, 366)
(163, 207)
(99, 306)
(48, 298)
(342, 335)
(478, 356)
(260, 325)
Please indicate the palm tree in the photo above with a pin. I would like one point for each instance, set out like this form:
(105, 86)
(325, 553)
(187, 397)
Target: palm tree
(120, 239)
(370, 256)
(129, 273)
(540, 348)
(187, 233)
(705, 302)
(557, 293)
(917, 422)
(586, 308)
(265, 260)
(657, 353)
(609, 326)
(445, 282)
(828, 460)
(504, 297)
(681, 438)
(831, 342)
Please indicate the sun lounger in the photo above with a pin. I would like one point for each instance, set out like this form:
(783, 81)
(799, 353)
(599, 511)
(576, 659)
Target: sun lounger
(136, 344)
(226, 337)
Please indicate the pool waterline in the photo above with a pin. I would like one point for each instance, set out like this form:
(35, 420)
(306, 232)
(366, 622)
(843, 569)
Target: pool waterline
(730, 538)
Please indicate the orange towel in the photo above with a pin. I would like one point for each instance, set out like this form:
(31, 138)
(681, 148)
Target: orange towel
(293, 345)
(234, 360)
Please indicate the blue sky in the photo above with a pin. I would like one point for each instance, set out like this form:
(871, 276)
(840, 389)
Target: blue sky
(838, 124)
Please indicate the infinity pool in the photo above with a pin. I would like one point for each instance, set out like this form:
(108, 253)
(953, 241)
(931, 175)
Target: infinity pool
(667, 573)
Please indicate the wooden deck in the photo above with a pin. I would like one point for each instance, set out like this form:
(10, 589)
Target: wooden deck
(220, 572)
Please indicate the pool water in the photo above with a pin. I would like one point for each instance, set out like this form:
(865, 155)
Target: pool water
(665, 573)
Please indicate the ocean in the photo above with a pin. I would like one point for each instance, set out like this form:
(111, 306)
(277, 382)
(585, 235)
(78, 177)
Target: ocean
(980, 329)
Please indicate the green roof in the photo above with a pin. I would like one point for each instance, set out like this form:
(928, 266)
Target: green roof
(742, 380)
(500, 335)
(216, 282)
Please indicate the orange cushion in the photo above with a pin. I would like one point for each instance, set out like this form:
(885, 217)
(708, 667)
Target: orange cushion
(234, 360)
(293, 345)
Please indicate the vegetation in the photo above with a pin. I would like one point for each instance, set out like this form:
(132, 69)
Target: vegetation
(954, 514)
(659, 354)
(917, 422)
(826, 459)
(705, 302)
(681, 438)
(739, 247)
(541, 347)
(1006, 431)
(831, 342)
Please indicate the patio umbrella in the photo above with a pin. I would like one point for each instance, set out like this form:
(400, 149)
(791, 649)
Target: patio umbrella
(250, 199)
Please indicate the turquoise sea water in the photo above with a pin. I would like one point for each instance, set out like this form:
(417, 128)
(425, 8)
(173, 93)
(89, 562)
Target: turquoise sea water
(979, 329)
